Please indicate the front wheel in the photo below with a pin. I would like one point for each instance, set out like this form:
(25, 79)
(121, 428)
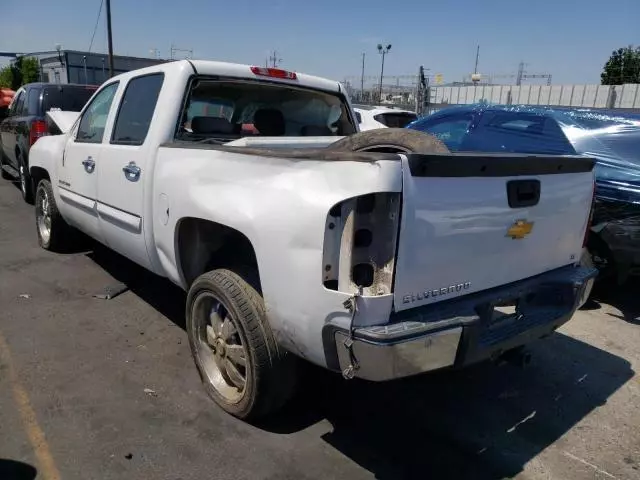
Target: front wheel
(242, 367)
(53, 231)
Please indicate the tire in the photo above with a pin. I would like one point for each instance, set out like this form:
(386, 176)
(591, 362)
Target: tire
(59, 233)
(586, 261)
(222, 296)
(5, 175)
(390, 140)
(26, 185)
(603, 259)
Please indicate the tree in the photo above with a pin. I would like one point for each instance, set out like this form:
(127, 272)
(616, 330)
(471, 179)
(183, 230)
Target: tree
(622, 67)
(6, 77)
(22, 70)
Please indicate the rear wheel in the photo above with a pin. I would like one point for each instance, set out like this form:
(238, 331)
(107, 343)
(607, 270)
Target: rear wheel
(242, 367)
(3, 172)
(390, 140)
(26, 186)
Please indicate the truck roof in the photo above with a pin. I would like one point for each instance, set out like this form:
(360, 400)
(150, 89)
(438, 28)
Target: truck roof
(237, 70)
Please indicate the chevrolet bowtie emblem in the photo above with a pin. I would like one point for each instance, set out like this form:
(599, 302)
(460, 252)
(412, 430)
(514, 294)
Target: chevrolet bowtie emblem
(520, 229)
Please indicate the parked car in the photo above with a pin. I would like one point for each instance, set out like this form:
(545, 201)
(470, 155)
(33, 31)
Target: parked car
(612, 138)
(371, 117)
(291, 244)
(25, 122)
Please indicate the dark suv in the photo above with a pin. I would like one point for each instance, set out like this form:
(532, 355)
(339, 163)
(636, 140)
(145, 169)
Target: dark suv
(25, 123)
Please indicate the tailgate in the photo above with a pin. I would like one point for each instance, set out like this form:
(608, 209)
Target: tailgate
(472, 222)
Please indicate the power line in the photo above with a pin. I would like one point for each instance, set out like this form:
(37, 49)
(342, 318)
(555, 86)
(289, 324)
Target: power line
(95, 28)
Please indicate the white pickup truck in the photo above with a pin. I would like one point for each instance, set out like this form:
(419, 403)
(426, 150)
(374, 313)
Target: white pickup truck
(376, 254)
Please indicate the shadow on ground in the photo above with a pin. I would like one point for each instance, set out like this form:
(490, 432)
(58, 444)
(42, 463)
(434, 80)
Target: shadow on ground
(13, 470)
(624, 298)
(485, 422)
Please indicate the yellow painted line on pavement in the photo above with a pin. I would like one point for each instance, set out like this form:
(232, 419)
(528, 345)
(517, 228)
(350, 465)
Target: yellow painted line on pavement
(48, 469)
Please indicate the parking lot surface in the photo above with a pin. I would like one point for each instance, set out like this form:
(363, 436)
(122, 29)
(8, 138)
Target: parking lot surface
(106, 389)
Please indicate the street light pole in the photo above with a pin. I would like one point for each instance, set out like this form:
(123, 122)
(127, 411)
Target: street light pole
(362, 81)
(382, 51)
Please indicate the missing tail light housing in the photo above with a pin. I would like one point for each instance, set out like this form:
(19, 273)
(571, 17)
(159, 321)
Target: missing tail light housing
(360, 244)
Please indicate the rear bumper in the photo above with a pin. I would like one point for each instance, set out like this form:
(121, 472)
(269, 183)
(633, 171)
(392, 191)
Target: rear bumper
(462, 331)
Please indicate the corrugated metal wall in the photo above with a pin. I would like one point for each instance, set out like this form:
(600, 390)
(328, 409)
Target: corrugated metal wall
(596, 96)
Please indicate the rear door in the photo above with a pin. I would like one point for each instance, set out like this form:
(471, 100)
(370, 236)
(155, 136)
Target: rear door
(472, 222)
(124, 171)
(78, 173)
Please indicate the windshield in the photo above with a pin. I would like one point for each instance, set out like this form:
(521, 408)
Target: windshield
(69, 98)
(228, 110)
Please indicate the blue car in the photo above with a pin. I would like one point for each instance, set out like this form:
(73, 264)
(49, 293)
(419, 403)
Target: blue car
(612, 138)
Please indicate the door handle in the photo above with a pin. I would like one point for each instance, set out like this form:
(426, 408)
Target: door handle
(89, 165)
(132, 172)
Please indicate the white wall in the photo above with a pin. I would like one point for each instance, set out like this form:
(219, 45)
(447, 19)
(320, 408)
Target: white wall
(598, 96)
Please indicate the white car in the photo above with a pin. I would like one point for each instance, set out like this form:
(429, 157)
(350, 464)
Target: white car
(372, 117)
(296, 236)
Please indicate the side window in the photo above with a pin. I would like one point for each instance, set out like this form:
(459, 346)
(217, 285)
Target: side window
(17, 105)
(33, 102)
(450, 130)
(136, 110)
(529, 124)
(94, 118)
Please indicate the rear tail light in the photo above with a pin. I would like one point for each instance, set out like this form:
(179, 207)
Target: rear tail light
(590, 219)
(38, 129)
(274, 72)
(360, 244)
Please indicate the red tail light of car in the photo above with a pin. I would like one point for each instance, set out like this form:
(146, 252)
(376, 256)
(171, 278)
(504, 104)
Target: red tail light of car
(38, 129)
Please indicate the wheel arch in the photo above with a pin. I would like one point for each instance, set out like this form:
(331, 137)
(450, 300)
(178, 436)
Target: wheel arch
(38, 174)
(204, 245)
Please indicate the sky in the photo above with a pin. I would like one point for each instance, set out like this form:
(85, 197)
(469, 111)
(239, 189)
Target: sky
(570, 39)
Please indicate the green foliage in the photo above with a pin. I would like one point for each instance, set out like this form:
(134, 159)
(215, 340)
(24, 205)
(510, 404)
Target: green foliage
(6, 77)
(622, 67)
(23, 70)
(30, 69)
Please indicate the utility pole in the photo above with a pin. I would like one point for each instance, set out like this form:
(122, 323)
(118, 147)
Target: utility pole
(273, 58)
(520, 73)
(475, 70)
(109, 38)
(382, 51)
(362, 80)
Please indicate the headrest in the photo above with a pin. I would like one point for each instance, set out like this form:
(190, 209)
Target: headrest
(205, 125)
(269, 122)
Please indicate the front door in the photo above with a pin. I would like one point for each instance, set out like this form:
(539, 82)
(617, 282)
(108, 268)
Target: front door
(8, 129)
(78, 173)
(124, 174)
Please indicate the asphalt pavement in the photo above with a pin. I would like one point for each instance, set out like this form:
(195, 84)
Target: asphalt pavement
(106, 389)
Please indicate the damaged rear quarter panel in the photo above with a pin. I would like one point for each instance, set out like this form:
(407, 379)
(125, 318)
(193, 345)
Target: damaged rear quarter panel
(281, 206)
